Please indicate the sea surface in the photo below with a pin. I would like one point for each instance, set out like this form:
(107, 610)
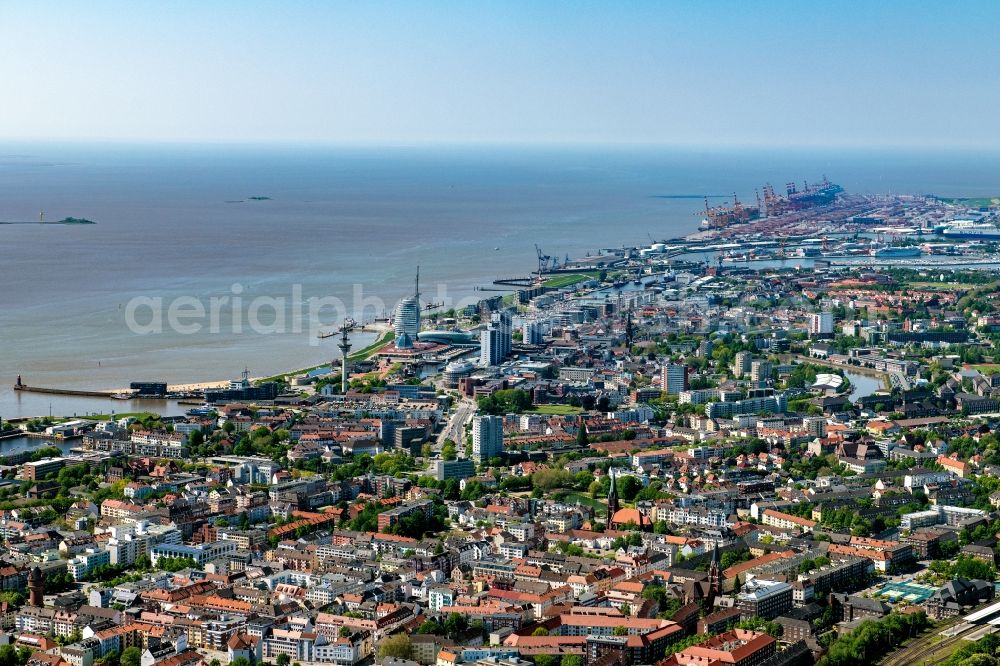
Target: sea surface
(18, 444)
(178, 222)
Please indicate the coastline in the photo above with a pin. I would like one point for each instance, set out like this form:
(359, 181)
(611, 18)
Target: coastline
(381, 329)
(466, 215)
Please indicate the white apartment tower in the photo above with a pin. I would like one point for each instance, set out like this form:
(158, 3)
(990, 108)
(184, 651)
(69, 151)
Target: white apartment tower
(487, 437)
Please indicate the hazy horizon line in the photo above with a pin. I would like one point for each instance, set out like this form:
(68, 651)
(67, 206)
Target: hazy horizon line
(498, 144)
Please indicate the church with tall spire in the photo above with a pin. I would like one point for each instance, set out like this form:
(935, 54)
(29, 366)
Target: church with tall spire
(612, 499)
(624, 518)
(707, 590)
(715, 574)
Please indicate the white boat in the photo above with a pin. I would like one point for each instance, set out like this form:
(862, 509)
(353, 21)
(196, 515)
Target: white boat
(971, 230)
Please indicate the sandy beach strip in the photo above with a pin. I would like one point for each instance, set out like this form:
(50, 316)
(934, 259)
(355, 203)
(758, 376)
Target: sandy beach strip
(381, 328)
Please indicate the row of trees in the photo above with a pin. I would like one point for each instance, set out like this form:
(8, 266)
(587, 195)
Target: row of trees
(62, 581)
(393, 464)
(414, 525)
(263, 442)
(848, 518)
(38, 425)
(131, 656)
(667, 605)
(417, 524)
(981, 653)
(980, 532)
(874, 639)
(175, 563)
(367, 518)
(771, 628)
(9, 656)
(451, 488)
(510, 401)
(628, 487)
(454, 626)
(965, 566)
(551, 660)
(515, 401)
(808, 565)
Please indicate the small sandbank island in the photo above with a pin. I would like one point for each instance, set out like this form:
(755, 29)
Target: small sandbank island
(255, 198)
(65, 220)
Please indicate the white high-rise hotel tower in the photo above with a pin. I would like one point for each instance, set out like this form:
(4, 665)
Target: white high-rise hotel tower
(406, 320)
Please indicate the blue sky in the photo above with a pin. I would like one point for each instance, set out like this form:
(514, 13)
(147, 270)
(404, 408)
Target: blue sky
(914, 74)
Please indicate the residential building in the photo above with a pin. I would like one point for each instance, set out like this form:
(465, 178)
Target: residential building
(487, 437)
(674, 378)
(462, 468)
(764, 598)
(821, 324)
